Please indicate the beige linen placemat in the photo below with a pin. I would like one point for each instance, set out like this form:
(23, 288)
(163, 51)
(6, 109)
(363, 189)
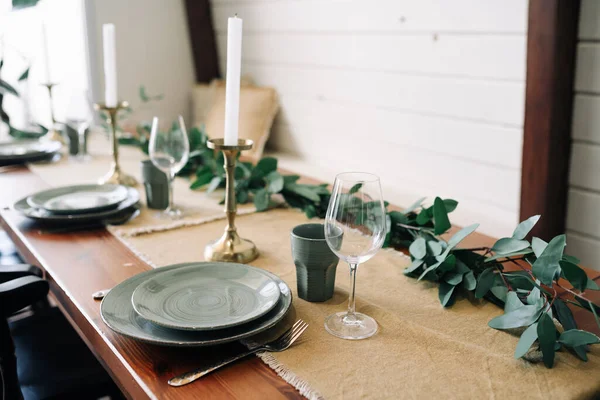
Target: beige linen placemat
(199, 206)
(421, 350)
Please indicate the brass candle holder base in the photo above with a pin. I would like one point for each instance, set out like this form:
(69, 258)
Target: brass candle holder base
(115, 175)
(52, 133)
(230, 247)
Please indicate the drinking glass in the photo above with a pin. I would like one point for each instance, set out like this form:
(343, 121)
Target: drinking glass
(80, 115)
(169, 150)
(355, 231)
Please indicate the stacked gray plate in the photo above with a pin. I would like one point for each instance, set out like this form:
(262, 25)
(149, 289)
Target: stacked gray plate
(80, 203)
(24, 151)
(196, 304)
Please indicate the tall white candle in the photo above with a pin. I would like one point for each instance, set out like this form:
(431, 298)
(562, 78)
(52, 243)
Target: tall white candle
(110, 65)
(232, 87)
(45, 53)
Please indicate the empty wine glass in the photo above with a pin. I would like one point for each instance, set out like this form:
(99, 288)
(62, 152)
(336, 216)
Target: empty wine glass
(169, 150)
(355, 231)
(80, 115)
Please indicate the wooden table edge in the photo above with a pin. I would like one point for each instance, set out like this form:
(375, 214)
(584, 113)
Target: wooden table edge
(63, 299)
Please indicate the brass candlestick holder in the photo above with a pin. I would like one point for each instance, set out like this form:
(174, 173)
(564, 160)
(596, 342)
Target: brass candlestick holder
(115, 175)
(230, 247)
(52, 133)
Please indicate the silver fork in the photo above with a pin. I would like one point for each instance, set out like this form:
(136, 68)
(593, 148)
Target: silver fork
(280, 344)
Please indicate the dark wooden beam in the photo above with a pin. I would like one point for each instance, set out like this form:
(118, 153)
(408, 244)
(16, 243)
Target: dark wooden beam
(202, 38)
(551, 47)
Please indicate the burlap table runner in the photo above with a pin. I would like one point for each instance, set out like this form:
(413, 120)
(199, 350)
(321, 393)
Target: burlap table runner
(199, 207)
(421, 350)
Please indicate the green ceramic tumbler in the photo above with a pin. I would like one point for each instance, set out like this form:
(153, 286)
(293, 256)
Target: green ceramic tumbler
(156, 184)
(315, 262)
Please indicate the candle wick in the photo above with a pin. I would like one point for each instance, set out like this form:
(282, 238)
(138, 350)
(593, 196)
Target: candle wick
(235, 15)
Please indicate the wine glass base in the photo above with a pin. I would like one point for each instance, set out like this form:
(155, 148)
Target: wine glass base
(171, 213)
(352, 327)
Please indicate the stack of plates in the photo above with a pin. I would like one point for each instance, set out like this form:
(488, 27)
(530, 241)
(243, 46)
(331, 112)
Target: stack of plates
(196, 304)
(80, 203)
(24, 151)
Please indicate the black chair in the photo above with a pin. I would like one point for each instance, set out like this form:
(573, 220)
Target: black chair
(41, 356)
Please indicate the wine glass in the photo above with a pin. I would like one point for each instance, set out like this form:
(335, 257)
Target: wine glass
(169, 150)
(80, 115)
(355, 230)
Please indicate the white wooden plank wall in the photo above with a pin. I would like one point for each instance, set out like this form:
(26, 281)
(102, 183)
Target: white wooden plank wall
(429, 94)
(583, 216)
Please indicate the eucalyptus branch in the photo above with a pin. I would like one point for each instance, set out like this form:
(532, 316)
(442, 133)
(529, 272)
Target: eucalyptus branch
(592, 304)
(415, 228)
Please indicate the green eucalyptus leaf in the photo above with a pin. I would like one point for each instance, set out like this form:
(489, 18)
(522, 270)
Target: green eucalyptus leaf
(266, 165)
(413, 267)
(515, 254)
(522, 316)
(435, 248)
(453, 278)
(485, 282)
(538, 246)
(547, 337)
(519, 280)
(304, 191)
(423, 217)
(460, 236)
(24, 75)
(6, 87)
(500, 292)
(565, 317)
(355, 188)
(571, 259)
(261, 199)
(429, 269)
(461, 267)
(214, 184)
(525, 227)
(469, 281)
(18, 4)
(450, 205)
(398, 218)
(287, 179)
(512, 302)
(534, 296)
(274, 182)
(447, 264)
(310, 211)
(577, 337)
(575, 275)
(509, 245)
(591, 285)
(527, 339)
(414, 206)
(202, 180)
(546, 268)
(445, 292)
(242, 196)
(417, 248)
(440, 217)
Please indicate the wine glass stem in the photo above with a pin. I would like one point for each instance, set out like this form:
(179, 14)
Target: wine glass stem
(171, 179)
(352, 300)
(81, 137)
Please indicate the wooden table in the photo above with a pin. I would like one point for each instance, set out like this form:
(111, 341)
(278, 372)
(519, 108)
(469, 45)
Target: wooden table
(80, 263)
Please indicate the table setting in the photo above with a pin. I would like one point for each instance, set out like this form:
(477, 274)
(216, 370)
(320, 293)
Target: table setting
(425, 316)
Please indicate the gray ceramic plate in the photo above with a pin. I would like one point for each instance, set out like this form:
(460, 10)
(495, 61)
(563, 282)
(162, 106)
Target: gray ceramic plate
(118, 313)
(22, 206)
(26, 149)
(79, 199)
(206, 296)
